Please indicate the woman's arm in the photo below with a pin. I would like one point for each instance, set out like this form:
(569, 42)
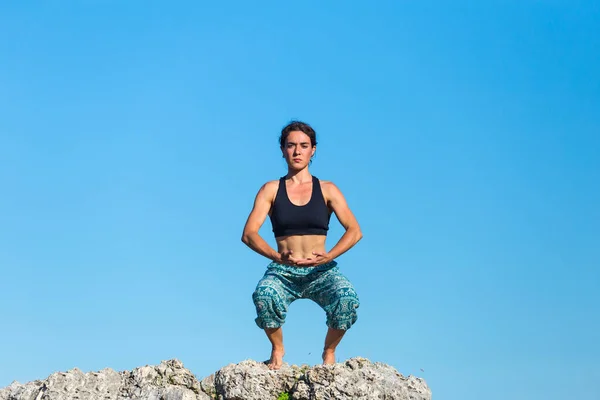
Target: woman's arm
(337, 203)
(260, 210)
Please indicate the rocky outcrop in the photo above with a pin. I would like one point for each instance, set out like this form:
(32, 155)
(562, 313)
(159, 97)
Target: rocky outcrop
(167, 381)
(357, 378)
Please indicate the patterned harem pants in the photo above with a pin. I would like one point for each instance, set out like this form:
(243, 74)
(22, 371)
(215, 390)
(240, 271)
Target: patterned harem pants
(324, 284)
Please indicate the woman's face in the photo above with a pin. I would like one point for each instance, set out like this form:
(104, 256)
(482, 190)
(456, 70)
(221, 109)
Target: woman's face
(298, 150)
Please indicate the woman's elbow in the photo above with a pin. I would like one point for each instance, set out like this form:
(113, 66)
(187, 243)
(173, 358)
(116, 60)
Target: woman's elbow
(247, 237)
(359, 235)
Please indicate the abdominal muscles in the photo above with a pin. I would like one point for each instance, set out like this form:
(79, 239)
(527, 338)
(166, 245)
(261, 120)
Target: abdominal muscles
(302, 246)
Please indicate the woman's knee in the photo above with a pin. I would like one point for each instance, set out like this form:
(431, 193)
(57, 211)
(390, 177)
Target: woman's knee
(341, 312)
(271, 306)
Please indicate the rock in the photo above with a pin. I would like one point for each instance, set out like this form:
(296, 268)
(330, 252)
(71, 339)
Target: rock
(357, 378)
(208, 385)
(253, 380)
(16, 391)
(167, 381)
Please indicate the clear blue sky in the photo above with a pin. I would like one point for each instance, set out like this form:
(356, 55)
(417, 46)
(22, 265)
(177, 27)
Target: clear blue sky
(465, 136)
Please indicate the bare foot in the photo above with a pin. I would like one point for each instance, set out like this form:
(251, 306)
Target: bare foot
(328, 357)
(276, 360)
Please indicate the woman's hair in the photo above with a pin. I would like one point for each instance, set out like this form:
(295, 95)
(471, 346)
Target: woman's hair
(298, 126)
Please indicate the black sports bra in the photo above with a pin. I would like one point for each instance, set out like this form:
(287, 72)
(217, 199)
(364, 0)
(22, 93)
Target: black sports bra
(310, 219)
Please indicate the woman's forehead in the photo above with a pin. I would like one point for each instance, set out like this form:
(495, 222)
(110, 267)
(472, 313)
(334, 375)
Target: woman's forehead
(298, 137)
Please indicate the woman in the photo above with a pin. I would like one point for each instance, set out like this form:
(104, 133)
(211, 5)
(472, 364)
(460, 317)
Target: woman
(300, 206)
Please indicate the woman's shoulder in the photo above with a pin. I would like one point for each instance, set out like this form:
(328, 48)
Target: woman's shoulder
(328, 187)
(270, 186)
(325, 183)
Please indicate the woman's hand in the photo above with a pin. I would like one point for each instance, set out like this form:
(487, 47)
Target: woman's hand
(287, 258)
(321, 257)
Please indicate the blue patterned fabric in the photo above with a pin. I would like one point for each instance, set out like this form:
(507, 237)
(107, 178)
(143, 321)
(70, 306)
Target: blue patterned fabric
(324, 284)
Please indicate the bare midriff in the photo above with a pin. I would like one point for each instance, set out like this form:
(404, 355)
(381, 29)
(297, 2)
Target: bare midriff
(302, 246)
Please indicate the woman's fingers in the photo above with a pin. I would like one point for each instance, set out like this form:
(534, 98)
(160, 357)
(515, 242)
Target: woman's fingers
(309, 261)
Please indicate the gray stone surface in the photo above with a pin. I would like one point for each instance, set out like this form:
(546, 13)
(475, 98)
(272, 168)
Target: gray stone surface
(167, 381)
(357, 378)
(253, 380)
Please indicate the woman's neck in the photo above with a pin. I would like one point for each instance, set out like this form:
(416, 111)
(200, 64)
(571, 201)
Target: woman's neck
(299, 176)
